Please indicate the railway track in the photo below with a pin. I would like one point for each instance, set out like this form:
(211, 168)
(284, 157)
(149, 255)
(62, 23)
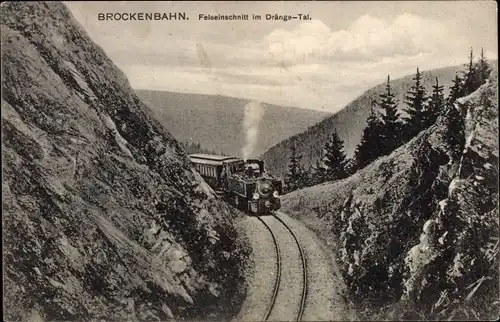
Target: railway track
(279, 268)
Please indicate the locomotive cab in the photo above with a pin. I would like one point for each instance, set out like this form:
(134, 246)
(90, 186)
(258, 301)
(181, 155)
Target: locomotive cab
(254, 168)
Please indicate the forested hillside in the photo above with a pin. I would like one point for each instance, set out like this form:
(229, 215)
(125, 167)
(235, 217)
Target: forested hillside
(416, 229)
(349, 122)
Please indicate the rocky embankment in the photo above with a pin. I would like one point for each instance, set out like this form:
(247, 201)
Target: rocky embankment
(103, 215)
(416, 232)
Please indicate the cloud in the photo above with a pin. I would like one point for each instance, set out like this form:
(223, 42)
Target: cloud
(307, 64)
(367, 39)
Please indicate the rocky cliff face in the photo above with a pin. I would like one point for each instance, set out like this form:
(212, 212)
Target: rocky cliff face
(104, 216)
(417, 231)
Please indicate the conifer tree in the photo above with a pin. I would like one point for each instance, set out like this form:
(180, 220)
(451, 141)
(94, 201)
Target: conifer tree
(350, 166)
(304, 179)
(391, 132)
(312, 175)
(483, 69)
(416, 102)
(455, 137)
(318, 173)
(436, 103)
(294, 176)
(471, 76)
(470, 68)
(456, 90)
(370, 146)
(334, 158)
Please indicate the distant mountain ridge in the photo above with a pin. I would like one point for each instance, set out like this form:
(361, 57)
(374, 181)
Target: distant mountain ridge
(216, 121)
(349, 121)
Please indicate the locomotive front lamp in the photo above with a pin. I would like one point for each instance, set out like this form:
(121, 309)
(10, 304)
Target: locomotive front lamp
(276, 194)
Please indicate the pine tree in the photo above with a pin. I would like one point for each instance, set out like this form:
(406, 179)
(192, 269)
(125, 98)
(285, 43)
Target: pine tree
(483, 69)
(391, 133)
(334, 158)
(350, 166)
(436, 104)
(370, 146)
(294, 176)
(318, 173)
(304, 179)
(312, 175)
(470, 79)
(456, 90)
(416, 100)
(455, 128)
(471, 62)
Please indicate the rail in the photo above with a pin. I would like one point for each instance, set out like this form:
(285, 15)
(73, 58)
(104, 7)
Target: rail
(278, 276)
(304, 269)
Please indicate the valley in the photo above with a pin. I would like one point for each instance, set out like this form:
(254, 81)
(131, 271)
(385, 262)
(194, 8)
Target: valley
(217, 122)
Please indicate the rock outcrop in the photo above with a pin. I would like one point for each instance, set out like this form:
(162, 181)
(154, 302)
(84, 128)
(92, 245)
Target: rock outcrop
(103, 215)
(417, 231)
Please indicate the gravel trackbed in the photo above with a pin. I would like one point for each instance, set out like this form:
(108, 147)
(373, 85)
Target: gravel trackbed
(324, 301)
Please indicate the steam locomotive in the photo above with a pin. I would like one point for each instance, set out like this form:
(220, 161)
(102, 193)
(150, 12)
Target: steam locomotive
(243, 183)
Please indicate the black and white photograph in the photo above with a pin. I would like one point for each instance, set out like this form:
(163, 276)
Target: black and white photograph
(250, 161)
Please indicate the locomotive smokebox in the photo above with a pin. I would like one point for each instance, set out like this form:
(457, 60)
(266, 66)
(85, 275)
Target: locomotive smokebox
(265, 188)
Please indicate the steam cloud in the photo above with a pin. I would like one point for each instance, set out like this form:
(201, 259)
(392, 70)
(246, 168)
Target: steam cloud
(253, 115)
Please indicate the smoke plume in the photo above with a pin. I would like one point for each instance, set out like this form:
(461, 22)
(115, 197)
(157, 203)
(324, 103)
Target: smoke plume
(253, 115)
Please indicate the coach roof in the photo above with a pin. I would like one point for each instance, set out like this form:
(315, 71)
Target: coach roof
(200, 157)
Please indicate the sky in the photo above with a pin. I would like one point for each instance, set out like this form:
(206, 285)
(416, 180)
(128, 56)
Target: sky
(324, 63)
